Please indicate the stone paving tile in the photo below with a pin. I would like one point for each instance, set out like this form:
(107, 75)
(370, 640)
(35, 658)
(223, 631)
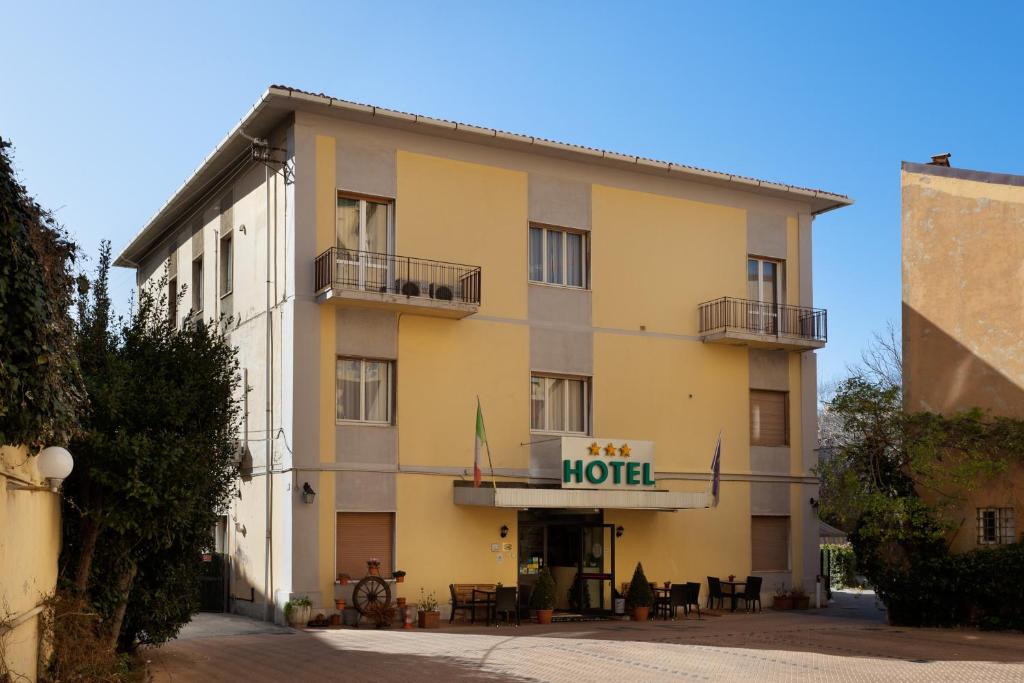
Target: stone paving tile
(770, 646)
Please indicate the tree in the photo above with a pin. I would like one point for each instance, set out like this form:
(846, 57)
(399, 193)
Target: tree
(40, 389)
(153, 462)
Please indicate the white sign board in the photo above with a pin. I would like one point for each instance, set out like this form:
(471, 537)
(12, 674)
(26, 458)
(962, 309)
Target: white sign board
(592, 463)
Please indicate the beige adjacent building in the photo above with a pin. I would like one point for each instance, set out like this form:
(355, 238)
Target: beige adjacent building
(612, 314)
(963, 314)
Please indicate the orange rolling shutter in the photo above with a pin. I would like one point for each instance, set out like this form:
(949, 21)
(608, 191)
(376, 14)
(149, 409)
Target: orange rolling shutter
(769, 538)
(362, 535)
(769, 418)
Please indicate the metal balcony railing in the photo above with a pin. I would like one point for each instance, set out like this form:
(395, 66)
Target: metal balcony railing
(759, 317)
(417, 278)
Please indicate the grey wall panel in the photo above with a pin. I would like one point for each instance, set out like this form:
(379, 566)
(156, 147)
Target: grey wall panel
(769, 459)
(561, 305)
(769, 498)
(558, 201)
(365, 491)
(569, 352)
(370, 444)
(766, 234)
(365, 167)
(545, 457)
(769, 369)
(366, 332)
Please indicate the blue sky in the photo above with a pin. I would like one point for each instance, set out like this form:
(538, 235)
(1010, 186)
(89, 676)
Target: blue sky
(112, 106)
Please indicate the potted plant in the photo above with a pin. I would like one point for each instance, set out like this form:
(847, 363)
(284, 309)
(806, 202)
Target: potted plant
(428, 616)
(800, 599)
(781, 600)
(640, 597)
(732, 577)
(339, 604)
(297, 611)
(399, 575)
(373, 566)
(343, 579)
(542, 598)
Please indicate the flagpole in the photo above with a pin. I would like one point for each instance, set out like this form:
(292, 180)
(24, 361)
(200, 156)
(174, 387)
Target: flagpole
(487, 444)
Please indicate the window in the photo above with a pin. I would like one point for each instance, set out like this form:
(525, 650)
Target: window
(363, 243)
(764, 286)
(558, 257)
(559, 404)
(172, 302)
(361, 536)
(364, 390)
(769, 418)
(227, 265)
(197, 285)
(996, 526)
(769, 543)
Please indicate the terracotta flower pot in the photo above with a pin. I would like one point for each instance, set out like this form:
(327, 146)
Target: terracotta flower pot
(335, 620)
(343, 582)
(802, 602)
(641, 613)
(401, 602)
(544, 616)
(430, 619)
(782, 602)
(399, 579)
(339, 604)
(373, 571)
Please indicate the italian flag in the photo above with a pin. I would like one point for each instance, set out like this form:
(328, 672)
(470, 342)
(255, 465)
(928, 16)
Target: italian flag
(481, 443)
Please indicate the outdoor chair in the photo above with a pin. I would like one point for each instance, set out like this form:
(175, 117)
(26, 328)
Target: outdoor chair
(676, 599)
(692, 597)
(506, 601)
(715, 594)
(464, 598)
(751, 593)
(661, 602)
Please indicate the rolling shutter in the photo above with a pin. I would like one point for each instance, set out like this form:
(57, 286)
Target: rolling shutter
(769, 543)
(768, 418)
(362, 535)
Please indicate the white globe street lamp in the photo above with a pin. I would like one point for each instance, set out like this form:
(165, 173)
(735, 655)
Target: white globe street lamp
(55, 464)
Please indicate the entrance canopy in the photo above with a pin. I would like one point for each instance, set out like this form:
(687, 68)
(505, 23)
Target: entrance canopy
(523, 496)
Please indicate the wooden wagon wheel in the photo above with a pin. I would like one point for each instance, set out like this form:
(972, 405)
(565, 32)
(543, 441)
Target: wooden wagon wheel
(370, 592)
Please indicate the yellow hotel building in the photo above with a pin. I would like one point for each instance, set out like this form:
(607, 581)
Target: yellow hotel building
(383, 271)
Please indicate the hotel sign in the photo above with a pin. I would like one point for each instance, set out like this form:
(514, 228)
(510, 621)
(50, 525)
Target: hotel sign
(591, 463)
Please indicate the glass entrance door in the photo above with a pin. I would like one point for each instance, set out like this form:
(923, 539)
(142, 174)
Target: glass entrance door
(595, 580)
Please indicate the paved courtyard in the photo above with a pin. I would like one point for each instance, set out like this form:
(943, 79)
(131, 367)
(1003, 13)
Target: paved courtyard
(846, 642)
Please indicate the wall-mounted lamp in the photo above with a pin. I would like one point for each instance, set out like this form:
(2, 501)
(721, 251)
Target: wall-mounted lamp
(814, 502)
(54, 464)
(619, 531)
(308, 494)
(504, 530)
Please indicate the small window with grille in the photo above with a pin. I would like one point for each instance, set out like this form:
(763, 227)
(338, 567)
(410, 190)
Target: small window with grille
(996, 526)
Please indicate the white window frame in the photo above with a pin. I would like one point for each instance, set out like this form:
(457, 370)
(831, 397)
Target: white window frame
(546, 379)
(1005, 526)
(364, 262)
(390, 384)
(584, 256)
(226, 276)
(780, 290)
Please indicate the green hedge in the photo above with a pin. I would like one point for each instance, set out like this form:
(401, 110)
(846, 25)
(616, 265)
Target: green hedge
(903, 552)
(842, 567)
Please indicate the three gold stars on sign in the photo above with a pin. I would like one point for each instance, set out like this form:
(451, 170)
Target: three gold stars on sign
(610, 449)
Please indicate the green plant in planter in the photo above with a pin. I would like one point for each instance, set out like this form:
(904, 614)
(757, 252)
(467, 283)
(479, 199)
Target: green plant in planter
(428, 601)
(640, 593)
(302, 601)
(543, 595)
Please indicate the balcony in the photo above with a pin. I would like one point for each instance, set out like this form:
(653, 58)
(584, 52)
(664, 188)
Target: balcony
(422, 286)
(763, 325)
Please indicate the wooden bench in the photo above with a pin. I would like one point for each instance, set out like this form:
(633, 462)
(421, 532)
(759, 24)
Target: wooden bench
(464, 597)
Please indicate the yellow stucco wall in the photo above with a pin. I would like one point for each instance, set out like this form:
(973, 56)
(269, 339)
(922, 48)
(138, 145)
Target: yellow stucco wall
(654, 259)
(29, 547)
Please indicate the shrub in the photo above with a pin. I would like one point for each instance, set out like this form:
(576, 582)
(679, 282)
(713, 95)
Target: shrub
(640, 593)
(842, 567)
(543, 595)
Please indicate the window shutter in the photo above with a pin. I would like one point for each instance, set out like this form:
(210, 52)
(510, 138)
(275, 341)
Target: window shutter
(362, 535)
(769, 543)
(769, 418)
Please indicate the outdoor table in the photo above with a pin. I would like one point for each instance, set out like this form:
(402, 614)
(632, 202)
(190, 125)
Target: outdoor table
(490, 597)
(733, 585)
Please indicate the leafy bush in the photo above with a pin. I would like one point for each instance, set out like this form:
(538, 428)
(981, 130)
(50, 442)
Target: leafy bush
(301, 601)
(543, 595)
(842, 567)
(639, 593)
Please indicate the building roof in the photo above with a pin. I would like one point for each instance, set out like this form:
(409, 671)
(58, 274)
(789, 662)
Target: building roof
(964, 174)
(279, 101)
